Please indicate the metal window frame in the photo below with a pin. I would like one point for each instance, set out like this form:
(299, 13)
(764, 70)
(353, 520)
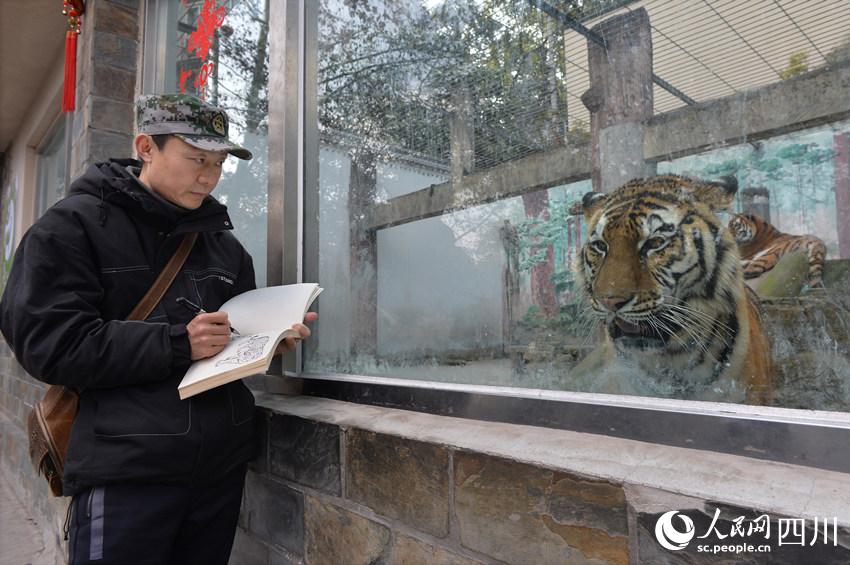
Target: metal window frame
(155, 48)
(801, 437)
(286, 155)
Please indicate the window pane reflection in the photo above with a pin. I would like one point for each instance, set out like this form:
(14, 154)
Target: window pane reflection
(458, 140)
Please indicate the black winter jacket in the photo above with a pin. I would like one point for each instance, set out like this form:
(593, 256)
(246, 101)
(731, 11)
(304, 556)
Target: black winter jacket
(77, 274)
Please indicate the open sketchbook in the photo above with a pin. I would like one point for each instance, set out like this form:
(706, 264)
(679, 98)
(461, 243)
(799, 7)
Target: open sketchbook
(263, 318)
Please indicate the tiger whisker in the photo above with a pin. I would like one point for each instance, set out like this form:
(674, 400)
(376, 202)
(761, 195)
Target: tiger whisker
(685, 305)
(592, 330)
(591, 319)
(697, 339)
(704, 336)
(698, 315)
(703, 323)
(660, 327)
(697, 323)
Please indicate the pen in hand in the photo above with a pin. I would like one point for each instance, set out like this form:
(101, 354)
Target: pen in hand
(195, 309)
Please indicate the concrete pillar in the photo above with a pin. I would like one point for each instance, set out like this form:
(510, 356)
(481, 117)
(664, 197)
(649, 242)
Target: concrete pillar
(841, 164)
(619, 99)
(363, 258)
(510, 278)
(462, 135)
(756, 201)
(107, 60)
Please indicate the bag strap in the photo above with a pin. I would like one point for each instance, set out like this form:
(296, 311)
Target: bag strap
(164, 280)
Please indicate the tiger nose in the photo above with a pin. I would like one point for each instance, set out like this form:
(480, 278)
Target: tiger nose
(614, 303)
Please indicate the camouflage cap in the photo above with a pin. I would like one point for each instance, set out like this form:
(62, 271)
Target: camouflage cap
(188, 117)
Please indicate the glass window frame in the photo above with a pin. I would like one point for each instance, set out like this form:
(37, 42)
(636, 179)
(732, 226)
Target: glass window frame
(801, 437)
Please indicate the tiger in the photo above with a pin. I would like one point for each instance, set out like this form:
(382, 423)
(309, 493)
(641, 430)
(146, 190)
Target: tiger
(661, 273)
(761, 246)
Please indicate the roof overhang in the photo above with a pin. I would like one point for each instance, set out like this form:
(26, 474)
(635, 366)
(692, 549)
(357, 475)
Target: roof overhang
(32, 41)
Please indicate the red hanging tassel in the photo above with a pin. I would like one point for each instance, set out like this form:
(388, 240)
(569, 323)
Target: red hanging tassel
(69, 90)
(74, 10)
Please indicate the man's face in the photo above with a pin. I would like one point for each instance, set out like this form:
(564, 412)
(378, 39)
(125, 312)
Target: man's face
(180, 173)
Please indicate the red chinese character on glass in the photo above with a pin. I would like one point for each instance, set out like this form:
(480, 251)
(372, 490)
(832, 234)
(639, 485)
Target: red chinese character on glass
(209, 20)
(200, 41)
(184, 74)
(201, 78)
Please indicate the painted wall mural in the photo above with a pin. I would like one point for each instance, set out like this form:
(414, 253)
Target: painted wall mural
(7, 214)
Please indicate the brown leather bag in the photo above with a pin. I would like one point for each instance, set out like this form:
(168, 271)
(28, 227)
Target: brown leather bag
(49, 422)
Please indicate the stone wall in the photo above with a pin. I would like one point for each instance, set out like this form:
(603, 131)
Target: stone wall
(334, 485)
(326, 494)
(108, 54)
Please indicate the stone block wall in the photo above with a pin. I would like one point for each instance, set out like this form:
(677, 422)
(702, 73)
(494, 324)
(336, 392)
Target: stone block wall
(327, 493)
(108, 58)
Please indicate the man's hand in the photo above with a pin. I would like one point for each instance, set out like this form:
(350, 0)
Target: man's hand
(288, 343)
(209, 333)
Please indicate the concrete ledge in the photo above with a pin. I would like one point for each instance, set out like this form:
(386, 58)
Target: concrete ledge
(514, 178)
(809, 100)
(775, 488)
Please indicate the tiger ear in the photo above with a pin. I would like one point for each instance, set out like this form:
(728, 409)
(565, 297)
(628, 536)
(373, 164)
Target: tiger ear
(592, 202)
(719, 195)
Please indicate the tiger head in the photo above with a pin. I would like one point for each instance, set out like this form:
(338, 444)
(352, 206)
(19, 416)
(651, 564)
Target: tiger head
(658, 262)
(743, 227)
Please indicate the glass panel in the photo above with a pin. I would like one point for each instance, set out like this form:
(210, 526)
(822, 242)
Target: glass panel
(219, 51)
(51, 170)
(795, 183)
(458, 139)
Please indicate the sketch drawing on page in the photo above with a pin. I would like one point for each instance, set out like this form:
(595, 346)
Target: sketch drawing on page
(250, 350)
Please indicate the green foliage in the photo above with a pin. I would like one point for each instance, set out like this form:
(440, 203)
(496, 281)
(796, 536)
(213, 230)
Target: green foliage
(725, 168)
(798, 63)
(534, 317)
(572, 319)
(794, 164)
(534, 236)
(805, 154)
(564, 281)
(395, 73)
(7, 238)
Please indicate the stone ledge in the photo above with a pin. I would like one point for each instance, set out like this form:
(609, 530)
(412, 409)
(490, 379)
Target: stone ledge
(775, 488)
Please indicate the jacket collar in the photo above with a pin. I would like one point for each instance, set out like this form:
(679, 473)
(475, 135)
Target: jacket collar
(116, 186)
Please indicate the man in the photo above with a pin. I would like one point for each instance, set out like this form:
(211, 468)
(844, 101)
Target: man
(154, 479)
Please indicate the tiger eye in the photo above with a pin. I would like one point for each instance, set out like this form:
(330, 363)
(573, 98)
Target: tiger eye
(599, 246)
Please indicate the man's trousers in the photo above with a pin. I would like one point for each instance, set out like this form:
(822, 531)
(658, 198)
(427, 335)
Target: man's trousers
(156, 524)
